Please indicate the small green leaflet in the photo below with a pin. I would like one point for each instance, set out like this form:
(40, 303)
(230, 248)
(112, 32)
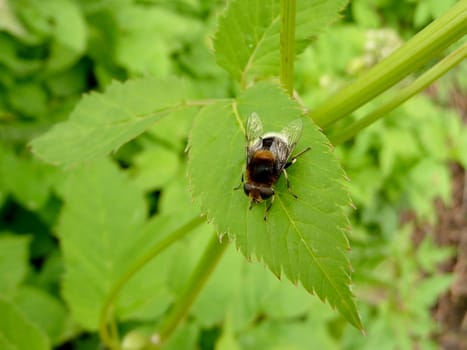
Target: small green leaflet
(303, 238)
(247, 38)
(102, 122)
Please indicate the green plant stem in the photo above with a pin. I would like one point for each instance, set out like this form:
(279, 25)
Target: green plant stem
(419, 50)
(287, 44)
(206, 265)
(403, 95)
(109, 339)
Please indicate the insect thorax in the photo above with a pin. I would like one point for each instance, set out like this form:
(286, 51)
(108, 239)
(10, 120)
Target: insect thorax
(272, 137)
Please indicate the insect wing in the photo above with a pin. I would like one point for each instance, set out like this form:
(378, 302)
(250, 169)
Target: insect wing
(254, 127)
(280, 149)
(254, 131)
(292, 133)
(285, 144)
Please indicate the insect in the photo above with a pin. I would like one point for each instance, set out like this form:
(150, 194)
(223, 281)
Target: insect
(267, 157)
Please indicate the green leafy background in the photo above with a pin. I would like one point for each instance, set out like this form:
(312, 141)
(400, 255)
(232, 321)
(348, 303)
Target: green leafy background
(124, 190)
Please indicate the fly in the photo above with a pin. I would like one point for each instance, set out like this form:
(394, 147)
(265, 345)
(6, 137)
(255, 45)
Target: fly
(267, 157)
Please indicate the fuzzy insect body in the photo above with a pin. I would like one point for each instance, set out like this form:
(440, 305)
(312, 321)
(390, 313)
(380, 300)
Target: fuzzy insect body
(267, 157)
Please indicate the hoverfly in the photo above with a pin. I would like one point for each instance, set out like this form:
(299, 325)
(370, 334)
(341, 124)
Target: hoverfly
(267, 157)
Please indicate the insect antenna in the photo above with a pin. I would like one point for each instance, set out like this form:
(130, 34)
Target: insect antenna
(294, 158)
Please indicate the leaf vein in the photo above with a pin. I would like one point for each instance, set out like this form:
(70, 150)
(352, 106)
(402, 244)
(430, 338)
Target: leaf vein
(255, 51)
(313, 256)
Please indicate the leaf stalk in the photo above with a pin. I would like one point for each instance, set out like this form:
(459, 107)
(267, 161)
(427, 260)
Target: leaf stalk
(199, 277)
(403, 95)
(110, 339)
(417, 52)
(287, 44)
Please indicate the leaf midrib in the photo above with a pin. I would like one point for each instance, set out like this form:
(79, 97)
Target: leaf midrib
(315, 259)
(255, 50)
(138, 117)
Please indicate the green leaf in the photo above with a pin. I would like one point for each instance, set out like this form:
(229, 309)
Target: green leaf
(13, 262)
(5, 344)
(430, 255)
(29, 98)
(184, 337)
(102, 215)
(102, 122)
(403, 147)
(303, 238)
(218, 295)
(173, 131)
(147, 295)
(51, 272)
(27, 179)
(227, 340)
(9, 21)
(17, 332)
(154, 166)
(60, 19)
(244, 292)
(47, 312)
(103, 232)
(430, 290)
(366, 14)
(427, 180)
(175, 198)
(138, 25)
(247, 39)
(292, 335)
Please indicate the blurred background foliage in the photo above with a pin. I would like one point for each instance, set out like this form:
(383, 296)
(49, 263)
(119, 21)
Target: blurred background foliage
(403, 171)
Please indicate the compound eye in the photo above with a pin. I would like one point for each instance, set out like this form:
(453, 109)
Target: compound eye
(266, 192)
(247, 188)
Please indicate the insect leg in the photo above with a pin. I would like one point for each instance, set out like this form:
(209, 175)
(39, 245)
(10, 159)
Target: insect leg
(288, 183)
(239, 185)
(269, 205)
(294, 158)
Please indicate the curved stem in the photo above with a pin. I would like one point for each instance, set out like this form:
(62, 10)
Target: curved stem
(287, 44)
(203, 270)
(419, 50)
(403, 95)
(106, 314)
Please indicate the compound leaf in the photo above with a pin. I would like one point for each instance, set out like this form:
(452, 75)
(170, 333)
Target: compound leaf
(247, 38)
(102, 122)
(303, 238)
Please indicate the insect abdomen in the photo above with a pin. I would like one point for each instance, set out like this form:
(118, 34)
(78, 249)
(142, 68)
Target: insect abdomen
(261, 168)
